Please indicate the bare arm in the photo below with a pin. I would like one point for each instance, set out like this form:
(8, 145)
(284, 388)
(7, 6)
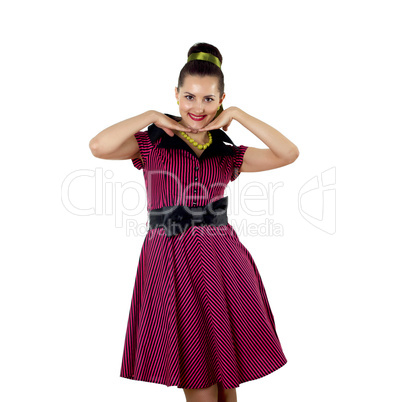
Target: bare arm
(118, 141)
(280, 145)
(281, 150)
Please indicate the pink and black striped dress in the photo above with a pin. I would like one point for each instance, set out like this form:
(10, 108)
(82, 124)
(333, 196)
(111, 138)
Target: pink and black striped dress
(199, 313)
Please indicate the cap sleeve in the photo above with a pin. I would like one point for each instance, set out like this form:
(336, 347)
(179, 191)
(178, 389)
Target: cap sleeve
(145, 149)
(238, 157)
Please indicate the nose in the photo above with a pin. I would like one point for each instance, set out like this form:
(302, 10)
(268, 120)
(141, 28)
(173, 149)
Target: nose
(199, 107)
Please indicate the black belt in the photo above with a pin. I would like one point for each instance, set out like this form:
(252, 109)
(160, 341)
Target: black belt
(178, 218)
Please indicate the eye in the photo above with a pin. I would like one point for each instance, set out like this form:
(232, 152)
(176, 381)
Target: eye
(210, 99)
(188, 97)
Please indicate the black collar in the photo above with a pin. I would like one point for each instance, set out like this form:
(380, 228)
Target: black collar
(216, 148)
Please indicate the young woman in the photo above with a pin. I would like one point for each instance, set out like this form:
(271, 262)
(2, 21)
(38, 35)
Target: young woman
(199, 318)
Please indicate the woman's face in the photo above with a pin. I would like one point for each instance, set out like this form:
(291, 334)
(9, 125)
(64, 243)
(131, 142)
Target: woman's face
(199, 100)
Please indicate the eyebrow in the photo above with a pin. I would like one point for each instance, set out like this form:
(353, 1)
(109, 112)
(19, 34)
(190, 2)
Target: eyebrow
(194, 95)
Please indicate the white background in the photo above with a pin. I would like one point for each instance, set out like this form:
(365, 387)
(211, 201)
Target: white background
(322, 73)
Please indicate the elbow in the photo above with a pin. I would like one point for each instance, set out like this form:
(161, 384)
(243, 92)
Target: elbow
(293, 155)
(94, 147)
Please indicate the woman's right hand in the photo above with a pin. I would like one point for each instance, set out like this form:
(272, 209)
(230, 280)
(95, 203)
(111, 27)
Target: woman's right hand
(167, 124)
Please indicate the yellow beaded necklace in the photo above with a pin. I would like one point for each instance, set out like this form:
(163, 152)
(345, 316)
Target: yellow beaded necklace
(195, 143)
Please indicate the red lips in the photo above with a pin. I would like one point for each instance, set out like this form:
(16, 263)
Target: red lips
(196, 118)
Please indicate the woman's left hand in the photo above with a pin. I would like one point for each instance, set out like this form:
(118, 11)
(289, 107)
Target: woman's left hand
(222, 121)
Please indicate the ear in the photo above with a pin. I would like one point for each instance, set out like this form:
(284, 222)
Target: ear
(222, 98)
(176, 93)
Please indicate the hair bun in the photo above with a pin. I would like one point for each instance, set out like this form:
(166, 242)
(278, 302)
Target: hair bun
(206, 48)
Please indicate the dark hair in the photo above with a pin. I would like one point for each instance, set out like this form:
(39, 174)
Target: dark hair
(203, 68)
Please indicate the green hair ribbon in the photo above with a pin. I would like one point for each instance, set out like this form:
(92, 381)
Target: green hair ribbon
(205, 57)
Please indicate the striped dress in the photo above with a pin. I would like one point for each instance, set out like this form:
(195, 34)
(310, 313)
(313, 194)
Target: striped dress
(199, 313)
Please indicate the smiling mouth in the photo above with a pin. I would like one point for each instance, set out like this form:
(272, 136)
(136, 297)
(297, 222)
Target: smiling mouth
(197, 118)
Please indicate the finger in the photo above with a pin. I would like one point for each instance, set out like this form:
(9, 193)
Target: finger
(168, 131)
(211, 126)
(179, 127)
(194, 130)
